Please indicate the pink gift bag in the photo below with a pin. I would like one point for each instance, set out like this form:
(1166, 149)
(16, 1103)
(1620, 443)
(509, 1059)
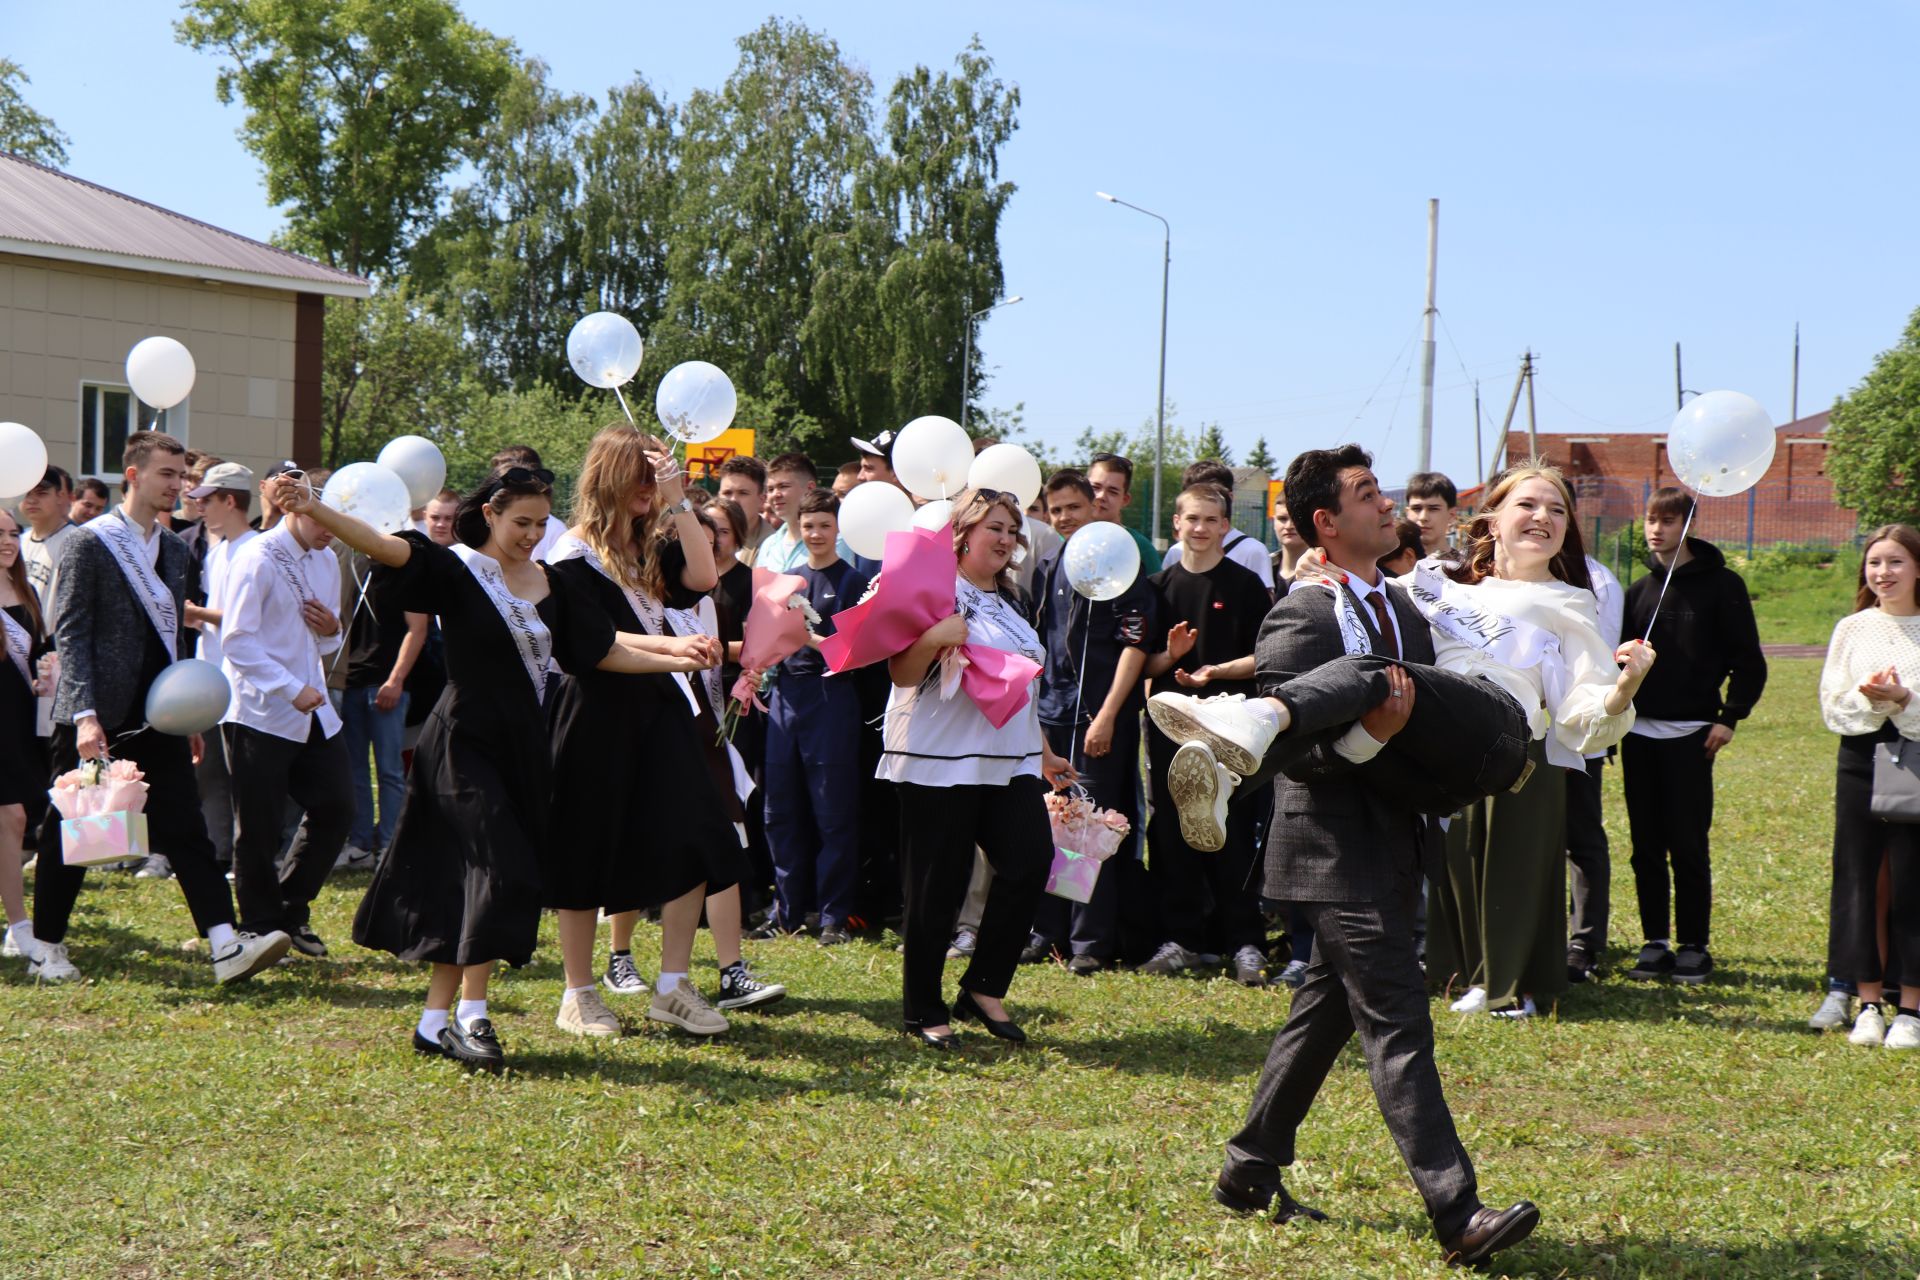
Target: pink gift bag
(103, 837)
(1073, 875)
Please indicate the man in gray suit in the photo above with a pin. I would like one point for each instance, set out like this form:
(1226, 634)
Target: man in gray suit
(121, 593)
(1348, 850)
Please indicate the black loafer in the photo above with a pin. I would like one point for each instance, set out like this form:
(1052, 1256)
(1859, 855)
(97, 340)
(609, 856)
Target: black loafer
(1243, 1197)
(429, 1048)
(964, 1007)
(476, 1048)
(944, 1043)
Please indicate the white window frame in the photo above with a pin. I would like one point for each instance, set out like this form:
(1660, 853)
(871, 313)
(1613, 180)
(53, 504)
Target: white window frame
(173, 421)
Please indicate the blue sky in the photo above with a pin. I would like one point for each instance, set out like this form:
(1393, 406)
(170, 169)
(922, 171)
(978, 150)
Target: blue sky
(1611, 181)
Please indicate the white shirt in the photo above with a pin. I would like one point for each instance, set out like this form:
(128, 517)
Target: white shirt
(1864, 643)
(556, 530)
(214, 576)
(1246, 550)
(1613, 609)
(1356, 744)
(42, 558)
(268, 651)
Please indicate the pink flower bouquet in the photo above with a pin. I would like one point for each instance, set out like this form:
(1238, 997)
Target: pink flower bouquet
(775, 629)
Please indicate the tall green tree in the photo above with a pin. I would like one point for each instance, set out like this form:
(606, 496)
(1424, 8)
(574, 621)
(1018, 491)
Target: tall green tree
(1260, 456)
(357, 110)
(627, 166)
(1874, 436)
(1212, 444)
(390, 367)
(26, 132)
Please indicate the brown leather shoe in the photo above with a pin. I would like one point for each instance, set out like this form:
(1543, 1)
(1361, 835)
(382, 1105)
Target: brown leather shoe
(1243, 1197)
(1490, 1230)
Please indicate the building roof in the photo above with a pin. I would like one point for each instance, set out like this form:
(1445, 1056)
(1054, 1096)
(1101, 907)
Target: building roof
(48, 214)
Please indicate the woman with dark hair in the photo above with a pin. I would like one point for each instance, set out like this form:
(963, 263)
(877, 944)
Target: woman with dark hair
(1875, 901)
(461, 885)
(964, 783)
(23, 757)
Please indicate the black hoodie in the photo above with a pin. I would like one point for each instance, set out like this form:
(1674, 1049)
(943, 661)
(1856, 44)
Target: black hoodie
(1705, 637)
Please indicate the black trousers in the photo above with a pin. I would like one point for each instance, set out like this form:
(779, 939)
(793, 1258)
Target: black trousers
(939, 827)
(1207, 902)
(174, 828)
(1093, 928)
(1364, 977)
(1669, 786)
(1465, 740)
(1862, 843)
(268, 772)
(1590, 865)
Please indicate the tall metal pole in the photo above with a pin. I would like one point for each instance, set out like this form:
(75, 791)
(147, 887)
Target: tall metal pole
(1160, 429)
(1426, 343)
(1796, 373)
(1506, 423)
(1479, 461)
(1533, 426)
(1679, 396)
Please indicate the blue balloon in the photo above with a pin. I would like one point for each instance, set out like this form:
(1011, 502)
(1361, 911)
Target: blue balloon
(189, 697)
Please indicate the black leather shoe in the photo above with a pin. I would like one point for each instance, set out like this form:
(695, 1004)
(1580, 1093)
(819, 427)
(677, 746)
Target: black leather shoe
(476, 1047)
(931, 1041)
(1490, 1230)
(1244, 1197)
(964, 1007)
(429, 1048)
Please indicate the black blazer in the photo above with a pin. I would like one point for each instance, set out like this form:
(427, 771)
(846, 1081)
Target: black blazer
(1335, 838)
(102, 631)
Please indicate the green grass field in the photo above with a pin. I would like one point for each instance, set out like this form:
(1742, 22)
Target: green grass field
(153, 1125)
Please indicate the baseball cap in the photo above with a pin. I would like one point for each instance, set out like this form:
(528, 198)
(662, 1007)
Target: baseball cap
(881, 446)
(228, 475)
(280, 468)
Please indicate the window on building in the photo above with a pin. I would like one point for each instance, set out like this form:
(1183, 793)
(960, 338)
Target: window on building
(108, 415)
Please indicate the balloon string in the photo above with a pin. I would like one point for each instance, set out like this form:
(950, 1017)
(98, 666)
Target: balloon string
(1079, 740)
(624, 406)
(1668, 580)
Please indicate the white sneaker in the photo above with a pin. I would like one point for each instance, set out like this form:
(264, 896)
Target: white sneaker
(354, 858)
(584, 1013)
(50, 963)
(1237, 729)
(1201, 787)
(1475, 1001)
(1834, 1012)
(686, 1008)
(9, 949)
(1513, 1012)
(1903, 1034)
(1869, 1028)
(248, 954)
(156, 867)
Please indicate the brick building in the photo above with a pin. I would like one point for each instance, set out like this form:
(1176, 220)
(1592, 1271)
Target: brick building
(1793, 503)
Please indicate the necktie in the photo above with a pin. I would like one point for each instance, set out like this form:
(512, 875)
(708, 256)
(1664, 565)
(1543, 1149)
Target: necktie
(1378, 599)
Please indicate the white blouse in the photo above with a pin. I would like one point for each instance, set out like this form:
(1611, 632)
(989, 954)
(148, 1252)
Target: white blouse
(1864, 643)
(938, 742)
(1580, 724)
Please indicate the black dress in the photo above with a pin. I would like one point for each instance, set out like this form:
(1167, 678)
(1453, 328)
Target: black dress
(634, 808)
(23, 757)
(462, 882)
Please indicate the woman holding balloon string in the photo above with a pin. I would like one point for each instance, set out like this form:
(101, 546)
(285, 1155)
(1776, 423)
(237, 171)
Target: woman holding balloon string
(611, 849)
(23, 756)
(460, 886)
(965, 783)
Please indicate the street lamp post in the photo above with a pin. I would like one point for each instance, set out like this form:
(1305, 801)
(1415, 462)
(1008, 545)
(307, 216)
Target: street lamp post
(966, 364)
(1160, 430)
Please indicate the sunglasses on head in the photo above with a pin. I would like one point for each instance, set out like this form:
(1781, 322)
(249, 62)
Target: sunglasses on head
(525, 475)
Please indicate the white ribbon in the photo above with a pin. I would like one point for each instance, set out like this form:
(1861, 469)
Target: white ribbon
(19, 647)
(530, 634)
(1355, 639)
(154, 596)
(1508, 642)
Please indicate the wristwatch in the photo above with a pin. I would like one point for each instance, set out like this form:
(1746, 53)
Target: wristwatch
(684, 506)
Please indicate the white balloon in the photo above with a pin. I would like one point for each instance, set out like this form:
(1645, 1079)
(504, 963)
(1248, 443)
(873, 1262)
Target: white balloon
(1721, 443)
(604, 349)
(932, 456)
(188, 697)
(160, 371)
(1102, 560)
(419, 464)
(696, 402)
(870, 511)
(370, 492)
(1008, 468)
(934, 515)
(23, 459)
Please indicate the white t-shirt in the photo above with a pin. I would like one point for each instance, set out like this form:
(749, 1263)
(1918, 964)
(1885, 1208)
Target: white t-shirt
(950, 743)
(42, 560)
(1243, 549)
(214, 578)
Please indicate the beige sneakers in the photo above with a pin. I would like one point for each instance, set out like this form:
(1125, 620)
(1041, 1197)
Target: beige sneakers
(687, 1009)
(584, 1013)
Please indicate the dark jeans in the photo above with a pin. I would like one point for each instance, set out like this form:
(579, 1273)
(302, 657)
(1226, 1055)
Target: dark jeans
(1590, 866)
(1207, 902)
(939, 827)
(174, 827)
(365, 727)
(269, 771)
(1669, 786)
(1364, 977)
(1862, 844)
(1093, 928)
(1465, 739)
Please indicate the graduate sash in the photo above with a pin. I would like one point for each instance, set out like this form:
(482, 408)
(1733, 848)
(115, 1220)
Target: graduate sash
(117, 535)
(530, 635)
(1508, 642)
(19, 647)
(651, 613)
(1355, 639)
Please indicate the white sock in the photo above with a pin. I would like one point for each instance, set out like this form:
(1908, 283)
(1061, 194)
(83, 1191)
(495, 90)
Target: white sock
(220, 937)
(1275, 713)
(577, 991)
(22, 933)
(468, 1011)
(432, 1023)
(667, 982)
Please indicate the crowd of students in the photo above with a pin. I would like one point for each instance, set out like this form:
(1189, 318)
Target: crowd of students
(509, 708)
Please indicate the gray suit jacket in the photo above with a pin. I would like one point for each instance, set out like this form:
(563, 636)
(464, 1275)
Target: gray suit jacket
(1335, 838)
(103, 632)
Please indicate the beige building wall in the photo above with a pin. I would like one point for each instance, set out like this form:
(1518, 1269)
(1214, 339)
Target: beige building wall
(64, 324)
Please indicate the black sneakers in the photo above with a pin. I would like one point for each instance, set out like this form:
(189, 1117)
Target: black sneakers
(1656, 962)
(739, 989)
(1692, 965)
(1581, 965)
(307, 942)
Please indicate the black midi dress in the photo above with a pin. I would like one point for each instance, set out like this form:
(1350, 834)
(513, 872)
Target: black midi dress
(635, 812)
(462, 881)
(23, 757)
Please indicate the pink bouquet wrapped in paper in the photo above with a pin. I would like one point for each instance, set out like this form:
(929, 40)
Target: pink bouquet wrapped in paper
(1084, 836)
(914, 591)
(101, 814)
(775, 629)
